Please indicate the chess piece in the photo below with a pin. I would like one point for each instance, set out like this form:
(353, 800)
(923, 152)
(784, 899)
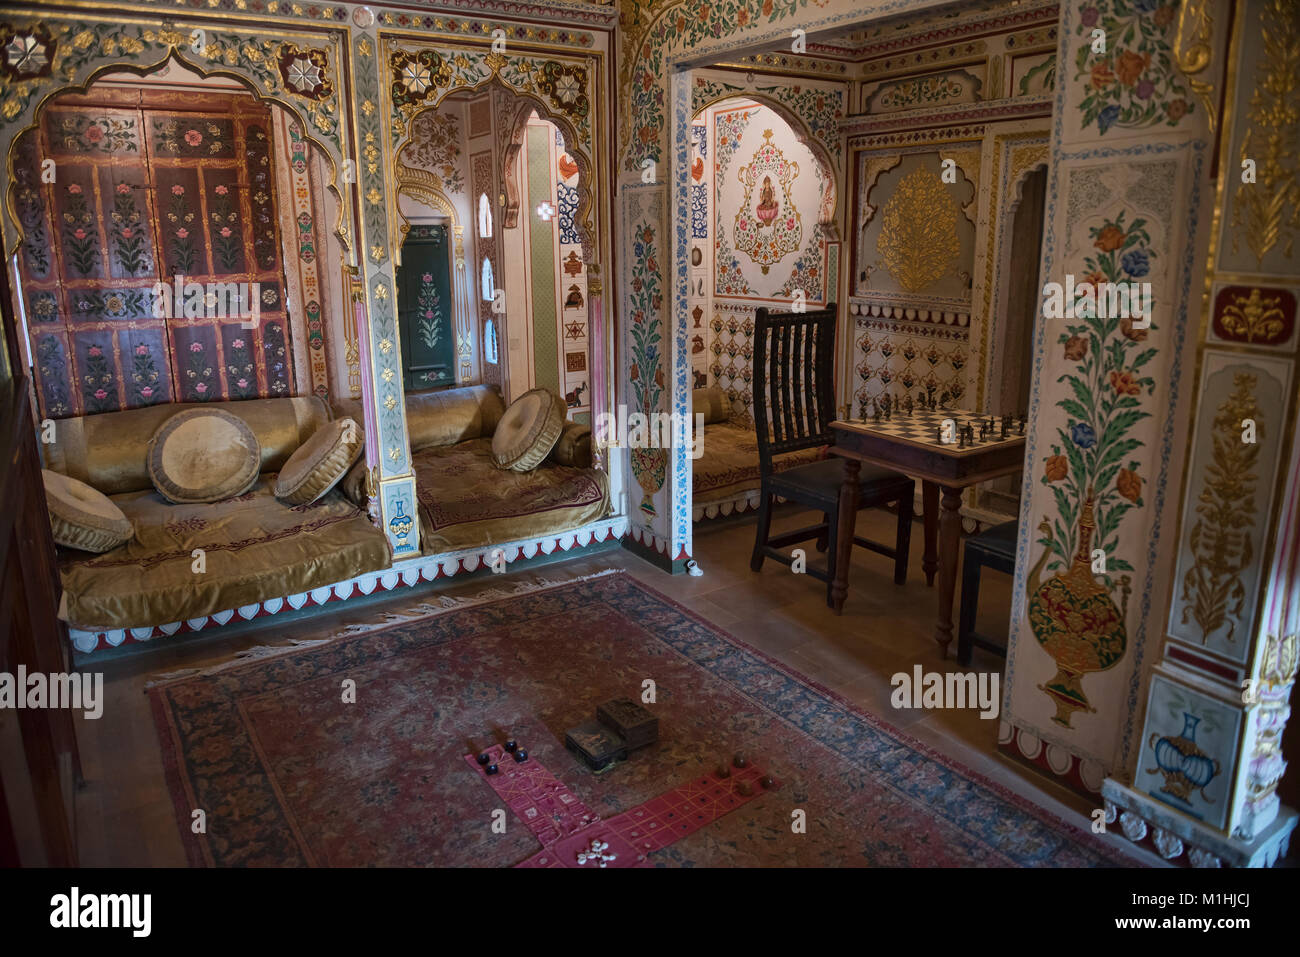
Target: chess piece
(484, 759)
(511, 745)
(1006, 421)
(521, 756)
(909, 405)
(961, 438)
(938, 435)
(1022, 423)
(739, 760)
(491, 769)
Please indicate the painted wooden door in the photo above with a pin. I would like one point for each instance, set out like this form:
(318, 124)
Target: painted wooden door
(424, 304)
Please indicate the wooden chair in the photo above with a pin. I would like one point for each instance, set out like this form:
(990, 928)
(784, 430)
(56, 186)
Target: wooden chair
(793, 407)
(996, 548)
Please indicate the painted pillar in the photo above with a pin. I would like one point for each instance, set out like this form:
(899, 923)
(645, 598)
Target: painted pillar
(1208, 762)
(387, 448)
(1128, 201)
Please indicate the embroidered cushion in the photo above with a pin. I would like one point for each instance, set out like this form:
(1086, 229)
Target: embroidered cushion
(320, 462)
(574, 446)
(82, 517)
(203, 455)
(528, 430)
(713, 403)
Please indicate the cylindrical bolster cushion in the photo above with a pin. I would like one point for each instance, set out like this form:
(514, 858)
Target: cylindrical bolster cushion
(83, 517)
(320, 462)
(713, 402)
(528, 430)
(574, 446)
(203, 455)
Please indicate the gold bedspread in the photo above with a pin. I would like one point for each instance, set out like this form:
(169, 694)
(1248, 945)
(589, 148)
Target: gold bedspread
(729, 464)
(255, 548)
(466, 501)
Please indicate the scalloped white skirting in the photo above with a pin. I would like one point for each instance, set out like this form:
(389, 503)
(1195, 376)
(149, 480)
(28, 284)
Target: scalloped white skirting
(406, 573)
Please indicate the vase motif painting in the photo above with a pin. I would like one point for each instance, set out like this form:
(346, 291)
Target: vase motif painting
(768, 227)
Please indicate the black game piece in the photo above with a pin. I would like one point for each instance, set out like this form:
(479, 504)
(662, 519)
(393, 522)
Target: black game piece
(521, 756)
(961, 438)
(909, 405)
(768, 782)
(938, 435)
(484, 759)
(491, 769)
(631, 722)
(511, 745)
(724, 770)
(739, 760)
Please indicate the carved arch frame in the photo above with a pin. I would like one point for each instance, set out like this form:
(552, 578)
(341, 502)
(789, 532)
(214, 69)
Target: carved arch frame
(76, 63)
(827, 219)
(429, 77)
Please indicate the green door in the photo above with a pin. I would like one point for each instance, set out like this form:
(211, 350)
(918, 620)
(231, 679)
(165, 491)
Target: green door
(424, 305)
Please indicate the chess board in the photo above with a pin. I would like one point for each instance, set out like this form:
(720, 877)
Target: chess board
(922, 427)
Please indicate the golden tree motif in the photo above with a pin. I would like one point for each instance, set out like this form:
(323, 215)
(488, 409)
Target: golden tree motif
(1220, 538)
(918, 231)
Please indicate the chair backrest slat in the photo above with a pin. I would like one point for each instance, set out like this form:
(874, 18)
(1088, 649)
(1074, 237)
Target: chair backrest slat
(794, 359)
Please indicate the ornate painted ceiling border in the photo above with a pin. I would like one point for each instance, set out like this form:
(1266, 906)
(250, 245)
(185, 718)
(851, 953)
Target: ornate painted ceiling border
(930, 32)
(862, 128)
(52, 51)
(556, 11)
(683, 25)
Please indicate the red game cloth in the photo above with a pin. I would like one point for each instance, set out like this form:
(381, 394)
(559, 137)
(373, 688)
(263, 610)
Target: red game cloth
(566, 827)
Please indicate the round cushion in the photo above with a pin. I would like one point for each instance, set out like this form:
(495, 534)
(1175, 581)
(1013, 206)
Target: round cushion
(528, 430)
(203, 455)
(82, 516)
(320, 462)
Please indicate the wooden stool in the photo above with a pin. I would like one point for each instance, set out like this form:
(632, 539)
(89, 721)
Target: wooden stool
(996, 548)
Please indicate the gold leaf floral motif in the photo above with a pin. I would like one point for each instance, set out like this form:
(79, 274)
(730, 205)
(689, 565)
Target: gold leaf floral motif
(1220, 539)
(1254, 317)
(918, 231)
(1261, 208)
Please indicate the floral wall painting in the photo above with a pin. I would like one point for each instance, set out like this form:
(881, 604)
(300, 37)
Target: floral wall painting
(436, 147)
(1187, 750)
(1134, 83)
(144, 195)
(646, 383)
(1227, 501)
(768, 225)
(765, 187)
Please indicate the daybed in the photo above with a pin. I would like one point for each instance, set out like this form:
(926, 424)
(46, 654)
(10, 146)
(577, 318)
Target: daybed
(254, 547)
(465, 501)
(725, 476)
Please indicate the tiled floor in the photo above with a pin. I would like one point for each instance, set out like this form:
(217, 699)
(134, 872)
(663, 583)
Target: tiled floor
(125, 816)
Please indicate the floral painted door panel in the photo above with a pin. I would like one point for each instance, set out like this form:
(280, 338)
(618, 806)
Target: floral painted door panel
(424, 309)
(123, 195)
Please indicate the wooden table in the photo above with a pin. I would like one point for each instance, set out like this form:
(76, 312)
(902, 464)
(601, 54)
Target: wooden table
(910, 444)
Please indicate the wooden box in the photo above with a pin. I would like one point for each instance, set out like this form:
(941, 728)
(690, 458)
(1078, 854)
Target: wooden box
(596, 744)
(631, 722)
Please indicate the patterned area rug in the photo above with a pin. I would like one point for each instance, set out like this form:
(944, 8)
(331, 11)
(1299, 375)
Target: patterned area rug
(288, 774)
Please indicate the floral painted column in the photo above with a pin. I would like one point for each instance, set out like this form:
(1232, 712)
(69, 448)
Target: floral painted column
(1202, 784)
